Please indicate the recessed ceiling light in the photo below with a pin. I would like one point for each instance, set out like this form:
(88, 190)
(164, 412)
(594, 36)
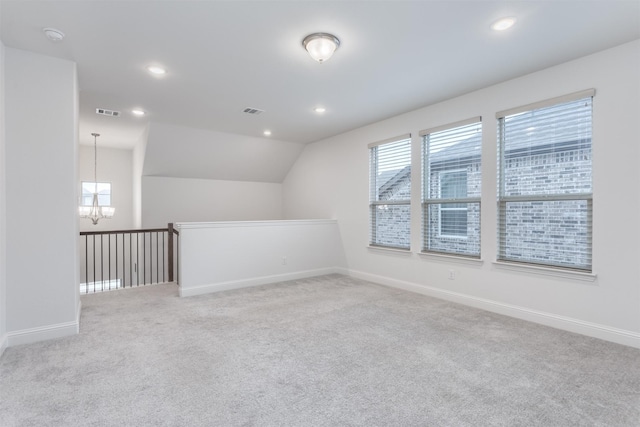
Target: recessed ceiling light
(53, 34)
(320, 110)
(503, 24)
(267, 133)
(158, 71)
(137, 112)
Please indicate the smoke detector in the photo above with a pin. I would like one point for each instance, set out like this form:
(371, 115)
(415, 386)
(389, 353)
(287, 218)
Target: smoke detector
(53, 34)
(106, 112)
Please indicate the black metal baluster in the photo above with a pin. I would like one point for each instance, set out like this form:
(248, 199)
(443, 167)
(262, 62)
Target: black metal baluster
(163, 258)
(86, 264)
(157, 260)
(109, 261)
(116, 261)
(94, 263)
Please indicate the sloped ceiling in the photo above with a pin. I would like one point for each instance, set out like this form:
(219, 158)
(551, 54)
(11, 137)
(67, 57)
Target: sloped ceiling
(185, 152)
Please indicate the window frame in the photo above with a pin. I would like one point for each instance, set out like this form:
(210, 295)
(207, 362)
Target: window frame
(503, 200)
(449, 209)
(428, 200)
(375, 204)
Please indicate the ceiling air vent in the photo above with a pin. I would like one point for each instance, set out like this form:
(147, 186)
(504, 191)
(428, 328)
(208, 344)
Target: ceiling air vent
(250, 110)
(106, 112)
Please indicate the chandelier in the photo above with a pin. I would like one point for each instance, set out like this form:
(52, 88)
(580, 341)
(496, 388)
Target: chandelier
(96, 212)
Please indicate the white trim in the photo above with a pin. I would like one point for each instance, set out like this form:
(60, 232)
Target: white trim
(258, 281)
(619, 336)
(404, 137)
(546, 271)
(453, 258)
(43, 333)
(588, 93)
(472, 120)
(228, 224)
(400, 251)
(4, 343)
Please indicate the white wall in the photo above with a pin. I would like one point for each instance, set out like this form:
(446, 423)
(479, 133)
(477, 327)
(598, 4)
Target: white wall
(229, 255)
(185, 152)
(330, 180)
(138, 165)
(41, 110)
(174, 200)
(114, 166)
(3, 213)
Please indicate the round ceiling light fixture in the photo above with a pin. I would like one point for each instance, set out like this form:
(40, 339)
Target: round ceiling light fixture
(138, 112)
(267, 132)
(321, 45)
(319, 110)
(53, 34)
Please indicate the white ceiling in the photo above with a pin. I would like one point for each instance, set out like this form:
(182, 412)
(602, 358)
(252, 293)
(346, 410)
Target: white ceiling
(223, 56)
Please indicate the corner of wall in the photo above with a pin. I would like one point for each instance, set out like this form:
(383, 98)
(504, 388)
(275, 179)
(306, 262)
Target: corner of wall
(3, 211)
(138, 168)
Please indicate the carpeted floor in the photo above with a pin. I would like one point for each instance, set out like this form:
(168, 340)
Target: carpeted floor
(325, 351)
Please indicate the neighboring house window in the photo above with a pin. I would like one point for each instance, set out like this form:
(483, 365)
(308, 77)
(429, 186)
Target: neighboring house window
(453, 216)
(390, 193)
(451, 187)
(545, 185)
(102, 188)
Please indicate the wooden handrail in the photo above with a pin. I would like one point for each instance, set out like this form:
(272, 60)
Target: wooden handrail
(142, 230)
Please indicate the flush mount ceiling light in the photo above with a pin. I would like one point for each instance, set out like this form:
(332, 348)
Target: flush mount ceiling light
(319, 110)
(267, 133)
(321, 45)
(138, 112)
(53, 34)
(156, 70)
(503, 24)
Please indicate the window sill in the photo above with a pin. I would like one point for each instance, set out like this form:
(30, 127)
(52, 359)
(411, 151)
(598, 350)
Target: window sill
(547, 271)
(451, 258)
(389, 250)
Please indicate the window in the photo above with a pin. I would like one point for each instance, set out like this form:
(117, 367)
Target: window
(390, 193)
(451, 187)
(545, 190)
(102, 188)
(453, 216)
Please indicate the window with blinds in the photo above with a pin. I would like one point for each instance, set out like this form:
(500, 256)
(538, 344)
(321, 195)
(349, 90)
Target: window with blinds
(544, 185)
(451, 186)
(390, 193)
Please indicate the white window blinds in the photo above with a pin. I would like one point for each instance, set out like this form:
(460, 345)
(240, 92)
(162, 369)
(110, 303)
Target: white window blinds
(545, 190)
(390, 193)
(451, 187)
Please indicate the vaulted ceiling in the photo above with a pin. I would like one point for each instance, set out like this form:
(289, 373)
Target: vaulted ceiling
(223, 56)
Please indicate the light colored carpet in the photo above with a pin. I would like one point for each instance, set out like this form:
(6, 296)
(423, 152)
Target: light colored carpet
(325, 351)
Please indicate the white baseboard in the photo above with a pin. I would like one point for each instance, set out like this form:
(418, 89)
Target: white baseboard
(258, 281)
(43, 333)
(619, 336)
(3, 343)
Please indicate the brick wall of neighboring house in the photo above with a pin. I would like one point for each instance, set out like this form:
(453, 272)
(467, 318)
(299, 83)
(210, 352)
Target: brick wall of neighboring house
(530, 226)
(533, 227)
(392, 223)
